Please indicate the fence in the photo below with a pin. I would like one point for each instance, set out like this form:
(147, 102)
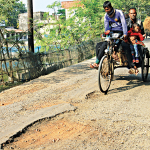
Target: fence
(23, 66)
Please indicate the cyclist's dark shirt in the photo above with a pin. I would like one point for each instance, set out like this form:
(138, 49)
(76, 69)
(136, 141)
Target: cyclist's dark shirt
(138, 21)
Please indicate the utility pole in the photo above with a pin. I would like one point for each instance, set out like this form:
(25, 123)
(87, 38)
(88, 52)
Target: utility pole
(30, 26)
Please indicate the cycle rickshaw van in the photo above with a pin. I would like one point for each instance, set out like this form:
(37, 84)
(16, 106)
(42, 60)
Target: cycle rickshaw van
(108, 63)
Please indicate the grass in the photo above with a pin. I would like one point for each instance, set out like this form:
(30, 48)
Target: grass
(9, 85)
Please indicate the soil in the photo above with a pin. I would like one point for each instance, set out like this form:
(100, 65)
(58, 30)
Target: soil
(117, 121)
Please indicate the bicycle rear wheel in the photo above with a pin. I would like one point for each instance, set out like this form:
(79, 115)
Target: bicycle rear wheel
(145, 67)
(104, 74)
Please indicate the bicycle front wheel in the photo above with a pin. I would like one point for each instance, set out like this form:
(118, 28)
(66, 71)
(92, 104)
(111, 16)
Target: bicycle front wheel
(104, 74)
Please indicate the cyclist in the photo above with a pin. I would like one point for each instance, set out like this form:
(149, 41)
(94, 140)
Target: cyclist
(114, 21)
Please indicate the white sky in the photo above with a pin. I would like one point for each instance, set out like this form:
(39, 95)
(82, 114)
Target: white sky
(40, 5)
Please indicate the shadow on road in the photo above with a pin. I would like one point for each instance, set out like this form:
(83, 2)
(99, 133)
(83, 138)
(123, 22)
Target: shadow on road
(63, 74)
(134, 81)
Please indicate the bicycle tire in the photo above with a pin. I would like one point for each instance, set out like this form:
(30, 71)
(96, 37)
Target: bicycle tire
(145, 67)
(104, 74)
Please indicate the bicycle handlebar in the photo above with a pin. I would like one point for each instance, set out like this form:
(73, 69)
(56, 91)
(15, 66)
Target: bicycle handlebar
(113, 38)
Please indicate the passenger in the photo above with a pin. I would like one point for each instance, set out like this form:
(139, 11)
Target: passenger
(132, 19)
(135, 38)
(126, 47)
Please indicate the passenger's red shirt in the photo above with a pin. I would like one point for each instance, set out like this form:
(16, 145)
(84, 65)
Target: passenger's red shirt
(138, 35)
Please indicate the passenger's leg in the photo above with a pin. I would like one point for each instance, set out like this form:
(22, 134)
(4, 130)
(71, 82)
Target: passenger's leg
(136, 50)
(136, 53)
(132, 52)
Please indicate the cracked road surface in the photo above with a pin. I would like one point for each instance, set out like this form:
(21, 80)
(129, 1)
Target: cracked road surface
(118, 120)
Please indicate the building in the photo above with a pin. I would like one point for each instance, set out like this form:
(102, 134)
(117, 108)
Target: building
(23, 19)
(19, 35)
(70, 4)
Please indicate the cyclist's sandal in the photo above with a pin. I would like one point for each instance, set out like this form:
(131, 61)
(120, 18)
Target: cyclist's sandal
(95, 66)
(136, 72)
(133, 71)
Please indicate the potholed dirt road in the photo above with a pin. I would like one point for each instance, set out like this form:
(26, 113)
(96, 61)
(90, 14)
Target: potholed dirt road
(118, 120)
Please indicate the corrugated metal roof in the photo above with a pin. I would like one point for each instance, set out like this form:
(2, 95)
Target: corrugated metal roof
(15, 30)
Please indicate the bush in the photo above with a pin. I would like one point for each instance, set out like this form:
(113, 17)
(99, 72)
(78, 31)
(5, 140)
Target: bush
(146, 24)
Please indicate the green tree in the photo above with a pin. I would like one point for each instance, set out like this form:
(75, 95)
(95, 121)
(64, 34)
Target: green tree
(87, 23)
(18, 7)
(6, 9)
(142, 6)
(93, 12)
(56, 5)
(61, 12)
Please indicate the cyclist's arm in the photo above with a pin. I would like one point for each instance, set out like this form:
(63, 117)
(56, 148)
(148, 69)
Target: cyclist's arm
(123, 22)
(106, 23)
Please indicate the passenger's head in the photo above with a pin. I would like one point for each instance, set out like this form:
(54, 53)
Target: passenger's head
(132, 13)
(133, 39)
(108, 8)
(136, 27)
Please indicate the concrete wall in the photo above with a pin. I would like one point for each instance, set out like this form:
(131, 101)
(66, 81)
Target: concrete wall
(27, 66)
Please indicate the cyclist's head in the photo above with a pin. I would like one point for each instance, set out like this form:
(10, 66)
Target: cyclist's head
(107, 4)
(108, 8)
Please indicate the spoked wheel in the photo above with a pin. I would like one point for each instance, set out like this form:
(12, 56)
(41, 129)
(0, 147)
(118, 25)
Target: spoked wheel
(145, 67)
(105, 74)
